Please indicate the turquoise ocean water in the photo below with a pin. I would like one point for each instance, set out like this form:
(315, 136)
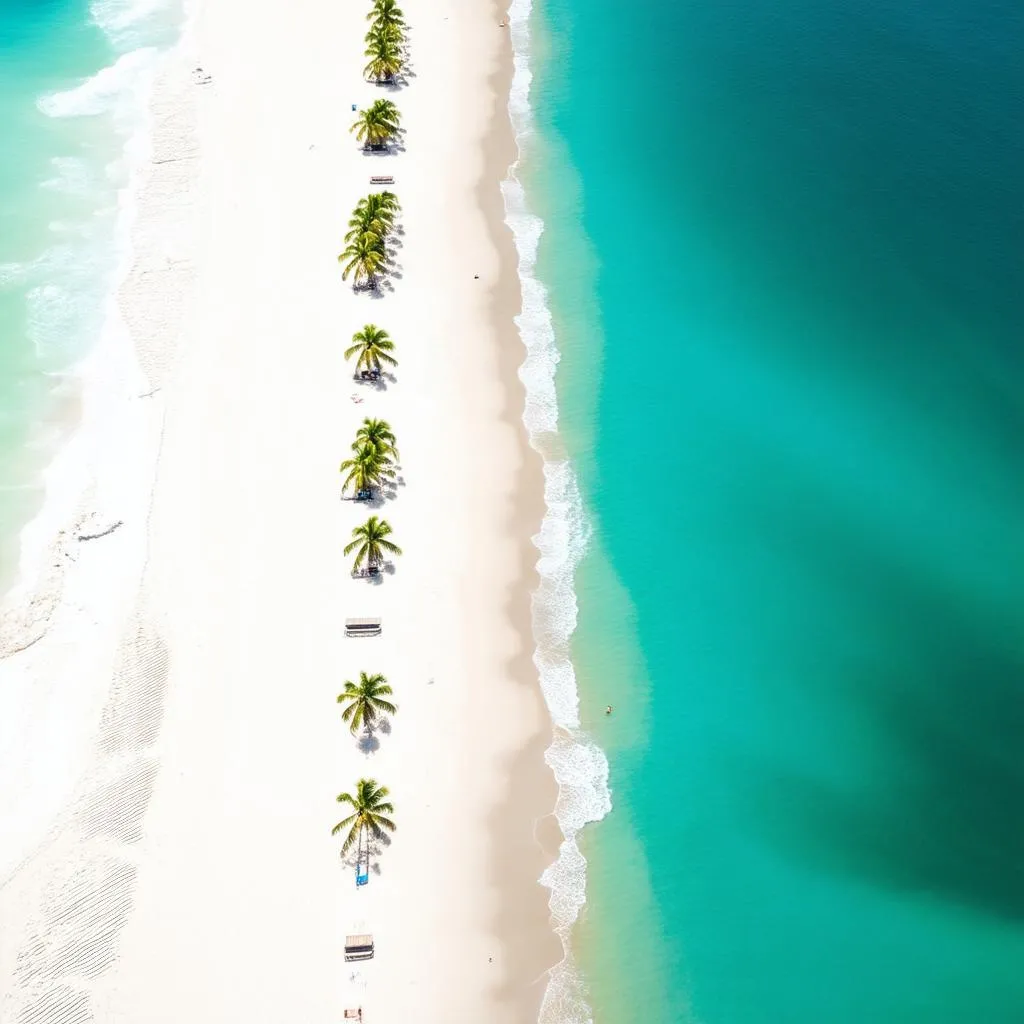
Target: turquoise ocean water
(784, 255)
(74, 77)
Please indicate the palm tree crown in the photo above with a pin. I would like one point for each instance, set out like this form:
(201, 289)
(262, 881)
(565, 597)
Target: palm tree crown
(365, 701)
(365, 254)
(364, 258)
(364, 222)
(370, 810)
(373, 347)
(376, 125)
(370, 542)
(367, 468)
(386, 12)
(384, 53)
(378, 207)
(381, 28)
(380, 436)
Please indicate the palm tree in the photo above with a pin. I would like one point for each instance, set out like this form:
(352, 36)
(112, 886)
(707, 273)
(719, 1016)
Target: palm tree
(377, 125)
(370, 543)
(370, 808)
(374, 214)
(361, 225)
(380, 207)
(379, 435)
(365, 701)
(365, 222)
(373, 347)
(367, 468)
(364, 258)
(385, 54)
(381, 28)
(386, 12)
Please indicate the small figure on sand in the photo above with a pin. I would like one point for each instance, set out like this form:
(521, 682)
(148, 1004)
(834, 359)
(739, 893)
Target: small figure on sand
(200, 77)
(608, 709)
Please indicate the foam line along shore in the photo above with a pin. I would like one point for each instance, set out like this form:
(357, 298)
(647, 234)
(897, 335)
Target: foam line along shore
(578, 764)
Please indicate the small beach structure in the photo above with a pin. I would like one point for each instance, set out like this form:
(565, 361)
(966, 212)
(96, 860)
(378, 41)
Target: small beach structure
(382, 179)
(359, 947)
(354, 1014)
(362, 627)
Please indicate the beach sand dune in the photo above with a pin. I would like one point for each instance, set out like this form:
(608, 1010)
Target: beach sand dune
(193, 875)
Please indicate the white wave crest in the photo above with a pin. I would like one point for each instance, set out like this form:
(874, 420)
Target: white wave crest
(579, 765)
(121, 89)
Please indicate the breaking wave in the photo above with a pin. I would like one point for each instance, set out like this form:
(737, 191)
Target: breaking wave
(578, 764)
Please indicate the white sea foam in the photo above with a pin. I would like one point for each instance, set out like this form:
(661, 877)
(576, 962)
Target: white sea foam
(69, 288)
(123, 20)
(579, 765)
(115, 89)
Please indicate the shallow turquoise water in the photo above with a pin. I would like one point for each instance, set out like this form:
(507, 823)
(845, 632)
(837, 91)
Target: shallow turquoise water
(41, 45)
(72, 86)
(793, 384)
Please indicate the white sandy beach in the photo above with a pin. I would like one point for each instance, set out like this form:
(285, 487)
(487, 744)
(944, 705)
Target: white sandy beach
(190, 874)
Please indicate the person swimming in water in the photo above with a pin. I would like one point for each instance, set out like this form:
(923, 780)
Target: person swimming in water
(608, 710)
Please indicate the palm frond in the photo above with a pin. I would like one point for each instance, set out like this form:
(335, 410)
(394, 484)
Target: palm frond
(344, 823)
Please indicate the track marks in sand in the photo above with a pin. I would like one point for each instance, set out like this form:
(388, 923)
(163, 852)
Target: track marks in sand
(80, 887)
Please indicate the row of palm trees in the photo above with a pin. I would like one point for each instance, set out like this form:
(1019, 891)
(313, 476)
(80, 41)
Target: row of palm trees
(385, 42)
(374, 452)
(366, 254)
(373, 463)
(366, 706)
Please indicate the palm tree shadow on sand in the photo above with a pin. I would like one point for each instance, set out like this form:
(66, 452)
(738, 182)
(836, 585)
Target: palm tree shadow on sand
(374, 848)
(368, 742)
(395, 145)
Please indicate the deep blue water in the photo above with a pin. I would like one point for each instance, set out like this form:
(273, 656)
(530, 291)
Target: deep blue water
(794, 379)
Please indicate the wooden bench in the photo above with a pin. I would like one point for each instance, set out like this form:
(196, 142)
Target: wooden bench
(362, 627)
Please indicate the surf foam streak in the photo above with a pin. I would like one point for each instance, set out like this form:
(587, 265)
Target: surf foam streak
(114, 89)
(579, 765)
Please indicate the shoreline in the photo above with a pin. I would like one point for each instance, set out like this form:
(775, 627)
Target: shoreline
(528, 769)
(525, 802)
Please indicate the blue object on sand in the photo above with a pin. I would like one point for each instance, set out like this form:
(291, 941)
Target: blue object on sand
(362, 876)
